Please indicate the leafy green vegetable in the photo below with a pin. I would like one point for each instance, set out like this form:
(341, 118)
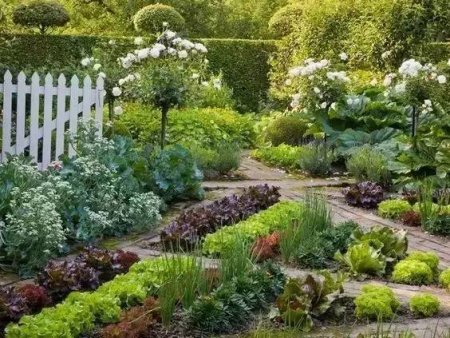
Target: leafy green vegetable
(362, 259)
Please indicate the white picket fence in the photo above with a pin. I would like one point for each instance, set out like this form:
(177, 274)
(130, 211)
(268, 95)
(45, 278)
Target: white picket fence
(35, 118)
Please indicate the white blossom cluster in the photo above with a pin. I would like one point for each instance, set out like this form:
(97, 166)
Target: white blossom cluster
(427, 106)
(34, 227)
(412, 68)
(310, 68)
(143, 211)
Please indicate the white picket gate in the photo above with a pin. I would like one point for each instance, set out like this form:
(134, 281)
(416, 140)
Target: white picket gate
(35, 118)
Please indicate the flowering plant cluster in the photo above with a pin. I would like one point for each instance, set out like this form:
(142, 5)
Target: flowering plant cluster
(318, 85)
(81, 199)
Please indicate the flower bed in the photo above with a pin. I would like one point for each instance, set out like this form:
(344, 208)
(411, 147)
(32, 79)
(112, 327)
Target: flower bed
(191, 226)
(275, 218)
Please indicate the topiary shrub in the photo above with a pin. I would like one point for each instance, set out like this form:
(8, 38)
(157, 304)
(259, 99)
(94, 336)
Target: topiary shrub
(444, 278)
(41, 15)
(412, 272)
(151, 19)
(376, 302)
(288, 130)
(284, 20)
(424, 305)
(393, 209)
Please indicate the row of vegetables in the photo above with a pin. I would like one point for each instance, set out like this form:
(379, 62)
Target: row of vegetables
(111, 294)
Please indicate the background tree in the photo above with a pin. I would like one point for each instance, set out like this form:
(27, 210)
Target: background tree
(42, 15)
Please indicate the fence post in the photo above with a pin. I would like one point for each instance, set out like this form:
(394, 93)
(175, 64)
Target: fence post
(20, 113)
(73, 120)
(34, 119)
(99, 105)
(47, 129)
(60, 118)
(87, 102)
(7, 105)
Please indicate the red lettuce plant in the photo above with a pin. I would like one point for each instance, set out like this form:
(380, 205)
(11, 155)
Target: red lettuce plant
(365, 195)
(412, 219)
(266, 247)
(191, 226)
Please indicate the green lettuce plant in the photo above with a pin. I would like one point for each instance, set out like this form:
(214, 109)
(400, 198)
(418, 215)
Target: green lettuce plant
(412, 272)
(362, 259)
(310, 297)
(392, 243)
(444, 278)
(393, 209)
(424, 305)
(376, 302)
(429, 258)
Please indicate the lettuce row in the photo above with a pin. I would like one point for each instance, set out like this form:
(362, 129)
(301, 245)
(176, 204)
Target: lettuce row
(81, 311)
(277, 217)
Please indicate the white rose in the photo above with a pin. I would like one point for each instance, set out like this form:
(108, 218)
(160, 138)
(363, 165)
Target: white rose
(170, 35)
(427, 103)
(288, 82)
(116, 91)
(343, 56)
(350, 101)
(138, 41)
(333, 106)
(195, 76)
(316, 90)
(118, 110)
(155, 52)
(86, 62)
(97, 66)
(323, 105)
(441, 79)
(182, 54)
(121, 82)
(102, 75)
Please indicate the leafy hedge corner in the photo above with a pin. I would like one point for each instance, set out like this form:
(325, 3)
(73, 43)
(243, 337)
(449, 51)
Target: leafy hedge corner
(412, 272)
(424, 305)
(283, 156)
(376, 302)
(393, 209)
(80, 312)
(276, 218)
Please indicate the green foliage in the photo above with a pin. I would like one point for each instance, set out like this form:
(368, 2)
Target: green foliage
(207, 128)
(444, 278)
(233, 302)
(315, 220)
(393, 209)
(367, 164)
(429, 258)
(284, 156)
(313, 256)
(277, 217)
(316, 159)
(285, 129)
(41, 14)
(151, 19)
(376, 302)
(216, 161)
(308, 297)
(105, 309)
(362, 259)
(175, 174)
(412, 272)
(424, 305)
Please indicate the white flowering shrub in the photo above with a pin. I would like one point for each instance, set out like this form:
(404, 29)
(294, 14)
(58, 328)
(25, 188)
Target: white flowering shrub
(143, 211)
(33, 232)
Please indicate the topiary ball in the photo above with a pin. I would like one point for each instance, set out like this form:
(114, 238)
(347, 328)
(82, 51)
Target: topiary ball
(285, 19)
(151, 19)
(412, 272)
(286, 130)
(424, 305)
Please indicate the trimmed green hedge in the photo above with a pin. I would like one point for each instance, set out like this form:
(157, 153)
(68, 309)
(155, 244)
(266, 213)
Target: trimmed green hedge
(244, 63)
(245, 67)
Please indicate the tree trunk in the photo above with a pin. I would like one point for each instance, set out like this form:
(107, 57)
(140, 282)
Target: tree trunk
(164, 114)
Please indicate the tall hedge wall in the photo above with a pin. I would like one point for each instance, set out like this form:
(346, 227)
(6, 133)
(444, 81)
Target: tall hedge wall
(244, 63)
